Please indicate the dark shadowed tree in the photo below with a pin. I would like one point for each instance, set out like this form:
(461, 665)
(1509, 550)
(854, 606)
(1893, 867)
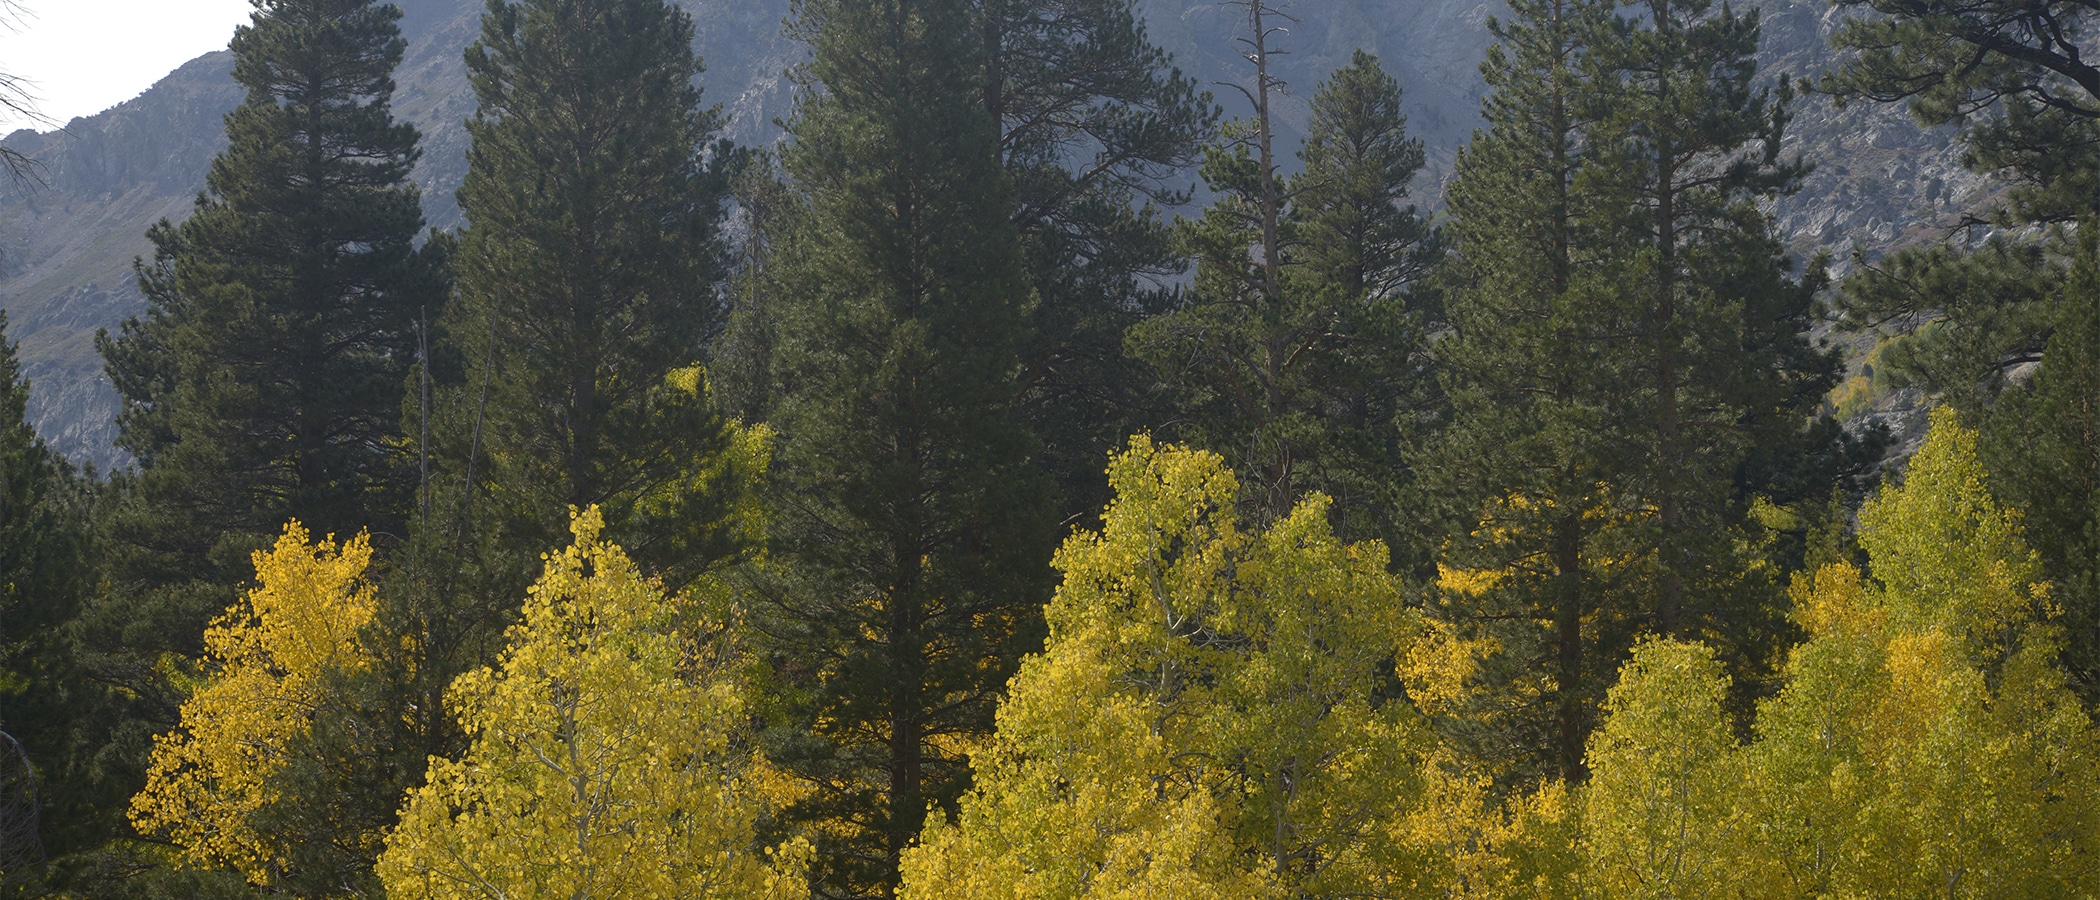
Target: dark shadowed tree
(912, 529)
(589, 284)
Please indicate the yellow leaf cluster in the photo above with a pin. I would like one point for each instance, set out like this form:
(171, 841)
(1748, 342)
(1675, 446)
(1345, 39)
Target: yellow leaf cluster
(267, 663)
(604, 760)
(1924, 744)
(1206, 718)
(1658, 819)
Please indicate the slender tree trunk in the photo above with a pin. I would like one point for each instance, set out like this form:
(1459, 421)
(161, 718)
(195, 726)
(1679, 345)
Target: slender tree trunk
(1276, 348)
(1567, 626)
(907, 726)
(1669, 507)
(1567, 530)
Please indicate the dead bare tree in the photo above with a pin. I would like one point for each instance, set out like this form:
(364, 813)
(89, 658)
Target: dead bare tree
(18, 101)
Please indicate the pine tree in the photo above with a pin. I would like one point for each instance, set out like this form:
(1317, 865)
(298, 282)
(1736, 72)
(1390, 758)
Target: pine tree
(265, 381)
(1094, 124)
(1722, 363)
(2012, 72)
(1630, 356)
(2015, 76)
(912, 529)
(2041, 442)
(45, 570)
(1365, 252)
(589, 274)
(1299, 346)
(40, 567)
(1528, 461)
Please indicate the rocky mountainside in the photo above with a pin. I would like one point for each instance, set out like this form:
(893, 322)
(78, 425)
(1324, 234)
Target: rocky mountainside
(67, 246)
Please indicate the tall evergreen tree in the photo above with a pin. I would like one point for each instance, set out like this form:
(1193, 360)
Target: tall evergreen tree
(589, 279)
(265, 381)
(1527, 459)
(1363, 253)
(44, 572)
(1298, 349)
(2041, 442)
(913, 531)
(1095, 124)
(1721, 363)
(1629, 357)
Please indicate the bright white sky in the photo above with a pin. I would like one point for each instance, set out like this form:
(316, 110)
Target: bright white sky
(85, 56)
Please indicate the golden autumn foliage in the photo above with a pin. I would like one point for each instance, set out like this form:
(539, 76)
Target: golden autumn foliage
(267, 663)
(1924, 744)
(1658, 818)
(1202, 723)
(605, 759)
(1208, 718)
(1217, 712)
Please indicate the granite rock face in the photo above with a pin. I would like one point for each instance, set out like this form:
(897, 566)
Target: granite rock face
(67, 246)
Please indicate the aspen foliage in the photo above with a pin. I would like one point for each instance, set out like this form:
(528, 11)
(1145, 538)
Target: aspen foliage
(1658, 812)
(268, 662)
(1209, 717)
(1926, 742)
(605, 759)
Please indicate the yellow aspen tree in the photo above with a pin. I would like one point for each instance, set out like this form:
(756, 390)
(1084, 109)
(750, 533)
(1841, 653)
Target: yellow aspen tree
(268, 661)
(605, 760)
(1206, 718)
(1658, 820)
(1926, 743)
(1470, 845)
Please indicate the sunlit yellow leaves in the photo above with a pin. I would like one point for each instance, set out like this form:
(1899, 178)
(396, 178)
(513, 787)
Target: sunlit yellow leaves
(267, 663)
(1924, 743)
(1658, 818)
(1438, 666)
(1207, 718)
(1947, 554)
(604, 760)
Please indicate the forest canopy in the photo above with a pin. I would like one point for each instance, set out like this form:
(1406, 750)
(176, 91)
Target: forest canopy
(1039, 477)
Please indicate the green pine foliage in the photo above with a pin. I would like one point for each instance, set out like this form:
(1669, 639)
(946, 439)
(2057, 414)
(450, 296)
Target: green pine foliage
(2011, 72)
(2041, 442)
(1628, 359)
(1720, 364)
(44, 575)
(1528, 461)
(2013, 77)
(912, 531)
(1096, 125)
(265, 380)
(1298, 350)
(588, 279)
(1364, 253)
